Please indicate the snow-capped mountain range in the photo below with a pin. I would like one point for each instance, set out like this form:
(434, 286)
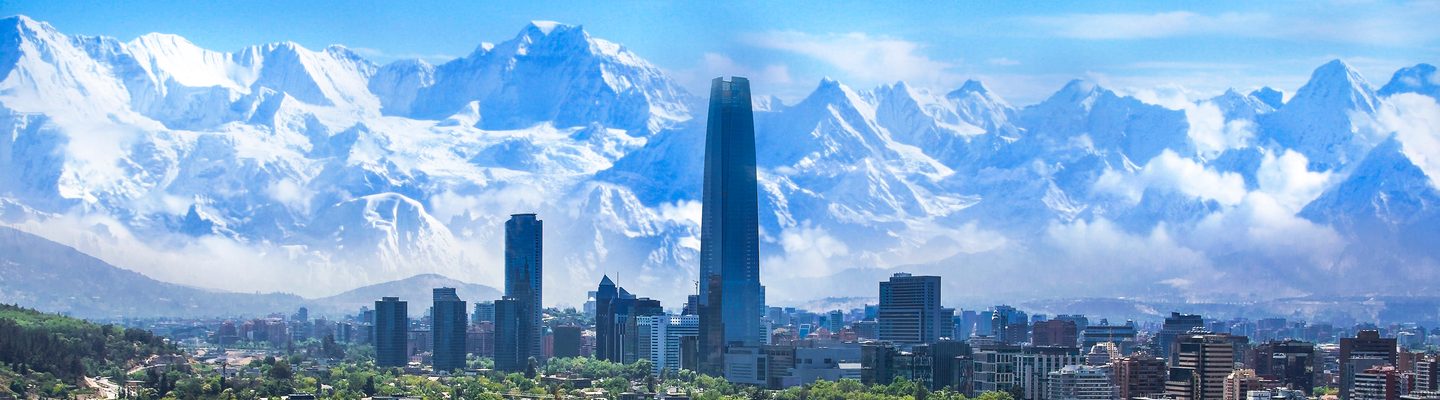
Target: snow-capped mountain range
(282, 168)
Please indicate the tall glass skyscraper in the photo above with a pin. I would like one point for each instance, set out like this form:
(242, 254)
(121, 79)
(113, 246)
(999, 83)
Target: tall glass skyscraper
(523, 269)
(448, 330)
(392, 330)
(731, 297)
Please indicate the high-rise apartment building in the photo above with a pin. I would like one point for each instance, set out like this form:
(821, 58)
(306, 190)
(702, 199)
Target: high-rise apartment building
(392, 326)
(448, 322)
(910, 309)
(731, 297)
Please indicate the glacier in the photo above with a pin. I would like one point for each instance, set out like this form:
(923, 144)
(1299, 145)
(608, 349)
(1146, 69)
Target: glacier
(282, 168)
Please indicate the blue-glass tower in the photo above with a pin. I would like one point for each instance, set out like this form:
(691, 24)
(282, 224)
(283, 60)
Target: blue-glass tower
(731, 297)
(523, 270)
(448, 328)
(392, 329)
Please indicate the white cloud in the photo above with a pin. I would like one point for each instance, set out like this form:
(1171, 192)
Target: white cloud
(810, 251)
(1169, 171)
(1148, 26)
(711, 65)
(1212, 134)
(1003, 62)
(1382, 24)
(866, 58)
(1415, 120)
(1288, 180)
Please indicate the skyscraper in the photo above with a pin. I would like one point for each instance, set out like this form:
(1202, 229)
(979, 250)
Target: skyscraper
(1201, 363)
(1361, 352)
(616, 314)
(1176, 324)
(392, 325)
(731, 297)
(510, 355)
(523, 269)
(449, 330)
(910, 309)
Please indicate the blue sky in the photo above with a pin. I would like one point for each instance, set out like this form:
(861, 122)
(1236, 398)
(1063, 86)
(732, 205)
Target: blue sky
(1024, 51)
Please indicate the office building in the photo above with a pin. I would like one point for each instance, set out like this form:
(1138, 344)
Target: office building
(1381, 382)
(484, 312)
(1291, 363)
(510, 354)
(567, 341)
(835, 322)
(392, 326)
(994, 368)
(447, 327)
(1361, 352)
(1055, 332)
(731, 297)
(1427, 371)
(1035, 365)
(617, 335)
(1199, 367)
(1009, 325)
(665, 336)
(1079, 382)
(1140, 375)
(1240, 383)
(1176, 325)
(951, 361)
(910, 309)
(1123, 336)
(523, 271)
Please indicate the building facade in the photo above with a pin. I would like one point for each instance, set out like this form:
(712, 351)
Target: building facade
(731, 298)
(910, 309)
(392, 326)
(524, 269)
(448, 322)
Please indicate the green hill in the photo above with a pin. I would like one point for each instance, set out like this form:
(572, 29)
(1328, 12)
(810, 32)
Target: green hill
(39, 351)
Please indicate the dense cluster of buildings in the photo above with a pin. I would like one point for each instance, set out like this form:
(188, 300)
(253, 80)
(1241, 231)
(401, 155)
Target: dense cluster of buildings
(726, 329)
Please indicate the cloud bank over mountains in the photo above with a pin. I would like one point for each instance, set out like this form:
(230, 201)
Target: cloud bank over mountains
(282, 168)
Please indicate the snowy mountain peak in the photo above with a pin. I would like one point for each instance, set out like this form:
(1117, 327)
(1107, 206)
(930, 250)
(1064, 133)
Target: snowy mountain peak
(1270, 96)
(1421, 78)
(545, 27)
(970, 86)
(1336, 84)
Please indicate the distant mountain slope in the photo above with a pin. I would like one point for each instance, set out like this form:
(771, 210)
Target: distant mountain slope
(416, 290)
(282, 168)
(47, 276)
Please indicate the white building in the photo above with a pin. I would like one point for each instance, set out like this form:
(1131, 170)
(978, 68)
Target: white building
(663, 333)
(1080, 382)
